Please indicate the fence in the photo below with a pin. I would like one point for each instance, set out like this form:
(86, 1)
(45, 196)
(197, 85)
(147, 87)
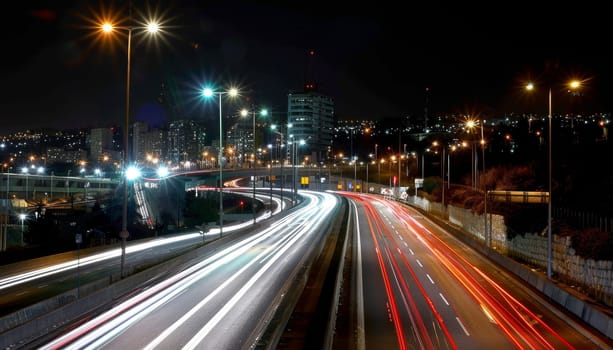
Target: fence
(582, 219)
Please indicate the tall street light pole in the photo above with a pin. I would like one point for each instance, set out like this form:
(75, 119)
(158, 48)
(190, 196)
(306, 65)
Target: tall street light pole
(273, 127)
(470, 125)
(378, 165)
(354, 160)
(24, 170)
(530, 87)
(4, 233)
(443, 167)
(400, 156)
(452, 148)
(341, 168)
(220, 161)
(151, 28)
(488, 233)
(294, 190)
(295, 144)
(291, 137)
(392, 158)
(575, 84)
(367, 166)
(253, 166)
(244, 113)
(270, 176)
(124, 212)
(22, 217)
(208, 92)
(549, 237)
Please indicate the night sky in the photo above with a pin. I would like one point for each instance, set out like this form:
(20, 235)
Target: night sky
(376, 61)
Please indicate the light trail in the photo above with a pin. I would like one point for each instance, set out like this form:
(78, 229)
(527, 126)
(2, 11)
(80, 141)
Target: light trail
(111, 324)
(515, 320)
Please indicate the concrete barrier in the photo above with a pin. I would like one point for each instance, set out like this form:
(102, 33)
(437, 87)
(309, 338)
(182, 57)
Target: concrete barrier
(587, 312)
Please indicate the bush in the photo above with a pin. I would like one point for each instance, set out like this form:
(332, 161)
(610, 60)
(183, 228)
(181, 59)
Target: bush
(593, 244)
(520, 218)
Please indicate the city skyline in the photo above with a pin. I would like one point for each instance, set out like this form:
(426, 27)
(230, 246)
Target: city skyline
(374, 63)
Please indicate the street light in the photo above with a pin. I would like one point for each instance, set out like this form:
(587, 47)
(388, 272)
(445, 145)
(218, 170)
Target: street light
(443, 168)
(273, 127)
(22, 217)
(355, 173)
(340, 156)
(270, 175)
(51, 185)
(353, 159)
(98, 173)
(367, 166)
(470, 125)
(151, 28)
(4, 230)
(417, 164)
(573, 85)
(295, 145)
(378, 165)
(294, 190)
(400, 156)
(208, 92)
(488, 235)
(24, 170)
(392, 159)
(263, 113)
(78, 240)
(290, 136)
(67, 184)
(382, 161)
(436, 144)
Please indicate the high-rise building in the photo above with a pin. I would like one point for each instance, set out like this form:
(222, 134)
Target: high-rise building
(311, 115)
(139, 130)
(185, 141)
(237, 140)
(155, 144)
(101, 143)
(61, 155)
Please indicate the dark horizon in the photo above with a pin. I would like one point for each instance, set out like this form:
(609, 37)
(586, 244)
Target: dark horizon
(375, 63)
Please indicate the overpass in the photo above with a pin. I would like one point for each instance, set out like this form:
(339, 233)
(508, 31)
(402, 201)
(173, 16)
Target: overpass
(34, 188)
(23, 192)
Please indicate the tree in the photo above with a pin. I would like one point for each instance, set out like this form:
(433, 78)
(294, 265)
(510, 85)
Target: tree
(200, 209)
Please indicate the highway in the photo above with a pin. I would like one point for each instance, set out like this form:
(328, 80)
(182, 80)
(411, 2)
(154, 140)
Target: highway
(25, 283)
(413, 285)
(408, 284)
(223, 301)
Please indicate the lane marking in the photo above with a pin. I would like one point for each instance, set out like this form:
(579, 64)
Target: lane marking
(462, 325)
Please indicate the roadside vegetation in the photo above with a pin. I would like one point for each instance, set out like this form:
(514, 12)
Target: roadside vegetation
(588, 242)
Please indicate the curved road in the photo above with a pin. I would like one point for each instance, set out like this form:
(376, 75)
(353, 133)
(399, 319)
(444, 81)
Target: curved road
(224, 301)
(408, 284)
(25, 283)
